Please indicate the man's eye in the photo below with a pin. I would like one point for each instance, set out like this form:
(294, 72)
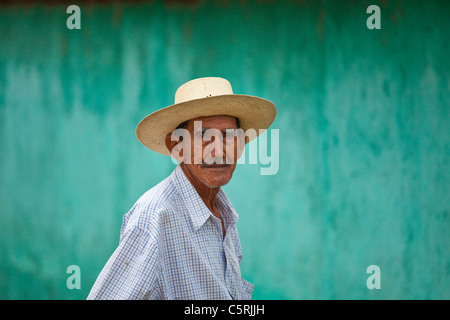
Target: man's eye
(231, 133)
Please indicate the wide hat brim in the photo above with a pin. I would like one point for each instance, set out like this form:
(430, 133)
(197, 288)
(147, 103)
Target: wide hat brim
(252, 112)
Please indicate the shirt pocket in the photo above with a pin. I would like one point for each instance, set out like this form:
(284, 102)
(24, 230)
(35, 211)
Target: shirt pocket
(247, 289)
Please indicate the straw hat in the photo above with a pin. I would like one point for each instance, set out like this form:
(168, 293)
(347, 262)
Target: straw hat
(201, 98)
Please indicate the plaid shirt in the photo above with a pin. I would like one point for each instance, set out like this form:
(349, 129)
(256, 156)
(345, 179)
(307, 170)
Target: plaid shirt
(172, 247)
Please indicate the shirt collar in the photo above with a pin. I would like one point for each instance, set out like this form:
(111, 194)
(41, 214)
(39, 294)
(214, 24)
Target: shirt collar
(198, 211)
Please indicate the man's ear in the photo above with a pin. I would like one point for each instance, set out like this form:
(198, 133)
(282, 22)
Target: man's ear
(179, 145)
(170, 144)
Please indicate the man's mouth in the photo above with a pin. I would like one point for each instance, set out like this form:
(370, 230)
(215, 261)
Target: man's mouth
(215, 166)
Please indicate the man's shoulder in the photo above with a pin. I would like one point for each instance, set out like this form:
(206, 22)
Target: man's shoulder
(158, 196)
(146, 212)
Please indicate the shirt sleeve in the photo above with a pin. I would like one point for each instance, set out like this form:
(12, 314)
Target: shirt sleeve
(131, 273)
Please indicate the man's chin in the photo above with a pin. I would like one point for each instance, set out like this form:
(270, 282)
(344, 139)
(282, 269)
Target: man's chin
(215, 185)
(216, 177)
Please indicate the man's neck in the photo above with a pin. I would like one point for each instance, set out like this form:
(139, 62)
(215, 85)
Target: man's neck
(207, 194)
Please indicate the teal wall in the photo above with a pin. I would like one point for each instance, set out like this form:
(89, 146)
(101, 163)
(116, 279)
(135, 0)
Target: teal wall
(363, 116)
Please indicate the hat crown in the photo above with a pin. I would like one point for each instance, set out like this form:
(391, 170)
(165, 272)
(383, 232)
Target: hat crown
(203, 88)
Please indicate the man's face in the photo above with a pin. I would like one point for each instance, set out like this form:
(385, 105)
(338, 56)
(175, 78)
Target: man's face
(213, 152)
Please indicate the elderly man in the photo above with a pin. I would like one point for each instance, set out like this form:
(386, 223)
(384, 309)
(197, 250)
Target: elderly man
(179, 240)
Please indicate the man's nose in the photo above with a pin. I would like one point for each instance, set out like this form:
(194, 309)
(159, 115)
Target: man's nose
(217, 151)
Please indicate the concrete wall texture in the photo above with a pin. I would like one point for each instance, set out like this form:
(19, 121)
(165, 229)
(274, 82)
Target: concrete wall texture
(364, 149)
